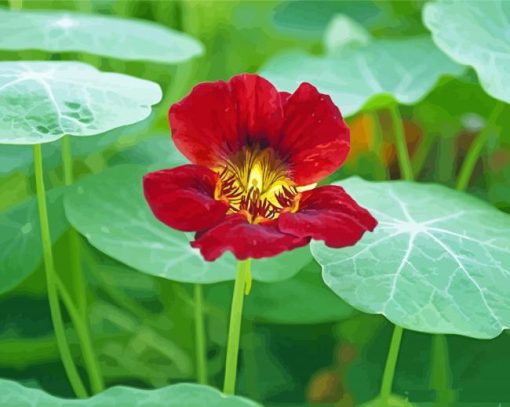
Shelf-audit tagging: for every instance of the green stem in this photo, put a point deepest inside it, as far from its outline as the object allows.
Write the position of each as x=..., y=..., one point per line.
x=234, y=331
x=82, y=330
x=200, y=345
x=74, y=239
x=15, y=4
x=421, y=153
x=391, y=363
x=440, y=373
x=49, y=265
x=446, y=159
x=476, y=148
x=79, y=286
x=404, y=162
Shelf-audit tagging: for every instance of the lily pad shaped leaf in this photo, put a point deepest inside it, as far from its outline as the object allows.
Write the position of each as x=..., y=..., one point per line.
x=177, y=395
x=110, y=211
x=402, y=70
x=20, y=234
x=475, y=33
x=43, y=101
x=438, y=262
x=107, y=36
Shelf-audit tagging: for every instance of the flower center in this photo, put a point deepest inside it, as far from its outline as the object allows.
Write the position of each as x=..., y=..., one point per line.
x=255, y=182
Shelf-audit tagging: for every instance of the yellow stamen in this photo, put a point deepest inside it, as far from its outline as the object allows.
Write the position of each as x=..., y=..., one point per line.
x=256, y=184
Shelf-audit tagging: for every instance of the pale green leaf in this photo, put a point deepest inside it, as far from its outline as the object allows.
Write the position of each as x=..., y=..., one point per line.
x=122, y=38
x=110, y=211
x=43, y=101
x=177, y=395
x=438, y=262
x=475, y=33
x=381, y=72
x=20, y=238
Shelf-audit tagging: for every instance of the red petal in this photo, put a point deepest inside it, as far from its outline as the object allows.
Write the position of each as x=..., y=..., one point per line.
x=328, y=213
x=284, y=96
x=183, y=197
x=204, y=123
x=315, y=137
x=245, y=240
x=259, y=107
x=219, y=118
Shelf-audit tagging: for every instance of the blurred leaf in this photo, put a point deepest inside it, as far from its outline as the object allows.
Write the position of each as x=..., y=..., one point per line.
x=342, y=31
x=156, y=150
x=110, y=211
x=302, y=299
x=108, y=36
x=438, y=261
x=20, y=238
x=475, y=33
x=310, y=18
x=372, y=76
x=43, y=101
x=178, y=395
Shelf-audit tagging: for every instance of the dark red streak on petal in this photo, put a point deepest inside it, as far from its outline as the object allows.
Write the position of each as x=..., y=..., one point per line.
x=328, y=213
x=183, y=197
x=315, y=139
x=245, y=240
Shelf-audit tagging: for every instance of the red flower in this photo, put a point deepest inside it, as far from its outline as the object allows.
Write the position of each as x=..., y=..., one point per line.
x=255, y=151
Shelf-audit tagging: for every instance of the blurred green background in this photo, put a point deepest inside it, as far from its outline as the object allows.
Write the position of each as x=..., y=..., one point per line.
x=143, y=325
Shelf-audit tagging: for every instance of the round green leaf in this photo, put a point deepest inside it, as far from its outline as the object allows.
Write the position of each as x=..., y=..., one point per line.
x=43, y=101
x=110, y=211
x=438, y=262
x=475, y=33
x=95, y=34
x=404, y=69
x=302, y=299
x=20, y=238
x=177, y=395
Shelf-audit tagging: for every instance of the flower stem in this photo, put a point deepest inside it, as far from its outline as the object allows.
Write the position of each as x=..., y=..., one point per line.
x=404, y=162
x=49, y=265
x=234, y=332
x=74, y=239
x=440, y=379
x=421, y=153
x=476, y=148
x=83, y=333
x=391, y=363
x=200, y=345
x=79, y=287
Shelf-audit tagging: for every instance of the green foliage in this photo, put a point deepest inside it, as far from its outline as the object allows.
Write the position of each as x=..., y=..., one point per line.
x=302, y=299
x=436, y=262
x=179, y=395
x=375, y=75
x=127, y=39
x=47, y=100
x=20, y=235
x=476, y=34
x=301, y=343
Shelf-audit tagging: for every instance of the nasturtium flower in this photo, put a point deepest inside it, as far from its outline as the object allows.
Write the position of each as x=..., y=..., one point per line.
x=256, y=157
